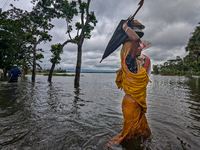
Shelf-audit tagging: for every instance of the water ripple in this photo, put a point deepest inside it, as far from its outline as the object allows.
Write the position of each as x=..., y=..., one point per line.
x=55, y=115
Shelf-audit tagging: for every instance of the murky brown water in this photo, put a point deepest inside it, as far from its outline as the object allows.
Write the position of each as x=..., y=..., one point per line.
x=57, y=116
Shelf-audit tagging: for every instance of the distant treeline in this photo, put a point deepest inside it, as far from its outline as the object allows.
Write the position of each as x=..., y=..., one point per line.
x=189, y=65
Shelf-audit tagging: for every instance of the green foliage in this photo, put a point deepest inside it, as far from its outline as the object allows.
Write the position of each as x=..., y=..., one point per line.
x=56, y=50
x=171, y=67
x=155, y=69
x=87, y=30
x=189, y=65
x=13, y=37
x=197, y=73
x=193, y=45
x=87, y=24
x=189, y=61
x=78, y=26
x=69, y=29
x=39, y=56
x=20, y=33
x=83, y=6
x=93, y=18
x=197, y=66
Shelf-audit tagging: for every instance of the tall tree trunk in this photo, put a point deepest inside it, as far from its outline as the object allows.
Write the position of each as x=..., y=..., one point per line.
x=34, y=65
x=80, y=42
x=78, y=66
x=51, y=72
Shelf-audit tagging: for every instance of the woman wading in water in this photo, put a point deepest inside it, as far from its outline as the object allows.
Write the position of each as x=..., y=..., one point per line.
x=133, y=79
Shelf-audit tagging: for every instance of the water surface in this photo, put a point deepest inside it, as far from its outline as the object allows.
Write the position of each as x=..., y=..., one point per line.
x=55, y=115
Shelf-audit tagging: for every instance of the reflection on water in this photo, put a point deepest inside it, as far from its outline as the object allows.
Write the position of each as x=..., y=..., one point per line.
x=55, y=115
x=194, y=101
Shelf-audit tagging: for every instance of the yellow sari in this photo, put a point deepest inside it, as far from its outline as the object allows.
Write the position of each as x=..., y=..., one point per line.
x=134, y=102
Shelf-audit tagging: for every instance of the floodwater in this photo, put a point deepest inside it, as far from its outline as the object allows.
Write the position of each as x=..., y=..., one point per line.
x=56, y=116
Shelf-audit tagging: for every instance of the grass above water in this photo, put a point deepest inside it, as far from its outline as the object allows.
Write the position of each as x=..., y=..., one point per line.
x=63, y=74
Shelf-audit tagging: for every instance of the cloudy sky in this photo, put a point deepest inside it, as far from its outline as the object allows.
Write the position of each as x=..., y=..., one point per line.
x=168, y=25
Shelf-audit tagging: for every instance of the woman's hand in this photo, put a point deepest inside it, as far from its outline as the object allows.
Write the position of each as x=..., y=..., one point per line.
x=124, y=26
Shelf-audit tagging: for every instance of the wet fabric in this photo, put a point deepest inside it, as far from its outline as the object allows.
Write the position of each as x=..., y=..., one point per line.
x=131, y=63
x=14, y=74
x=13, y=79
x=132, y=84
x=134, y=105
x=146, y=63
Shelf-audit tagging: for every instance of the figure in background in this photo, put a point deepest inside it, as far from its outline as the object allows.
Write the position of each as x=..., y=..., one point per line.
x=133, y=79
x=14, y=74
x=1, y=73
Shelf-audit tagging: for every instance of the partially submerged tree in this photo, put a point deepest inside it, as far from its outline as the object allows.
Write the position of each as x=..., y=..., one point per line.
x=13, y=45
x=22, y=33
x=62, y=9
x=66, y=10
x=38, y=28
x=84, y=28
x=56, y=50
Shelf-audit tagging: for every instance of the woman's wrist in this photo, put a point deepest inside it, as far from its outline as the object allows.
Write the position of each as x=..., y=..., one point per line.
x=126, y=29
